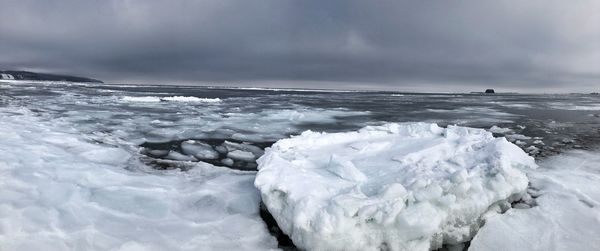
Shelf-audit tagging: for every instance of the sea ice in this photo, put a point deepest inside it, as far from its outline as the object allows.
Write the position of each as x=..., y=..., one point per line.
x=501, y=130
x=227, y=162
x=148, y=99
x=241, y=155
x=191, y=99
x=173, y=155
x=231, y=146
x=199, y=150
x=567, y=215
x=516, y=136
x=411, y=186
x=141, y=99
x=61, y=191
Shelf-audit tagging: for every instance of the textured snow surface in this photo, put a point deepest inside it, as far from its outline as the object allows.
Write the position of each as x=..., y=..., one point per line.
x=410, y=186
x=60, y=191
x=567, y=215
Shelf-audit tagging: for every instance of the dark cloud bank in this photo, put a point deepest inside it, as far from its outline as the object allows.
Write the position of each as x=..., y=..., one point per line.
x=399, y=45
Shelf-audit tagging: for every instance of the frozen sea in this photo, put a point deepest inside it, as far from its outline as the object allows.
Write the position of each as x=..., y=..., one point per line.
x=125, y=167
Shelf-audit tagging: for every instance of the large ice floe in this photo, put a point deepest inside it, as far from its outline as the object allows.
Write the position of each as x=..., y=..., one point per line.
x=567, y=214
x=409, y=186
x=61, y=191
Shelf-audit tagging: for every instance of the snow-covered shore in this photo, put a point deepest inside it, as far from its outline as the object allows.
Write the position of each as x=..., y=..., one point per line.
x=62, y=191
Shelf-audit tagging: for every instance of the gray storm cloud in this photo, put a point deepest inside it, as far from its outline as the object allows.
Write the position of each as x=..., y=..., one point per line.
x=412, y=45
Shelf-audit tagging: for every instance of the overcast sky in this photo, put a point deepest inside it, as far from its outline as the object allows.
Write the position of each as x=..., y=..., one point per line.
x=532, y=45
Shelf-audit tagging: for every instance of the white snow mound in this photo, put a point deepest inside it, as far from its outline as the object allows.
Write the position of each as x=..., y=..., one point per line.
x=409, y=186
x=567, y=214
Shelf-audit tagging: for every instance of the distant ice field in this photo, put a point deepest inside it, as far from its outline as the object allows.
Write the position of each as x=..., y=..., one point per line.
x=80, y=160
x=165, y=113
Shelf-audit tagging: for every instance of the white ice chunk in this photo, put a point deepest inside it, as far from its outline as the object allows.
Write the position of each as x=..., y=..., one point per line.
x=199, y=150
x=145, y=99
x=221, y=149
x=227, y=162
x=516, y=136
x=148, y=99
x=158, y=153
x=411, y=186
x=532, y=149
x=191, y=99
x=520, y=143
x=241, y=155
x=244, y=147
x=538, y=142
x=497, y=129
x=173, y=155
x=567, y=215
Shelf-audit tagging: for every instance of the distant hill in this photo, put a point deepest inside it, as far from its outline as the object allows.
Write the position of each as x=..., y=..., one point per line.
x=26, y=75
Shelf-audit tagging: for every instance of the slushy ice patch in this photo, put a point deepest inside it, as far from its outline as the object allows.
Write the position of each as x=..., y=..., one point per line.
x=229, y=153
x=411, y=186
